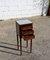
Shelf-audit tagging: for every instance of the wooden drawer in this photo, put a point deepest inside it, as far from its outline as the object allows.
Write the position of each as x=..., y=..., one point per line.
x=27, y=32
x=26, y=27
x=27, y=37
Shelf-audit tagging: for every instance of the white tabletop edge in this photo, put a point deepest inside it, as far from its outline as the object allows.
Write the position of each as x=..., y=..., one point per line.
x=22, y=22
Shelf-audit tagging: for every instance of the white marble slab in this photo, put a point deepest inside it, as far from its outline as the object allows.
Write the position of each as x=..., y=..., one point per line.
x=23, y=22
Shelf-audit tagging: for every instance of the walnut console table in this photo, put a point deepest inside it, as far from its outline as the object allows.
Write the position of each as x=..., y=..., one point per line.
x=24, y=29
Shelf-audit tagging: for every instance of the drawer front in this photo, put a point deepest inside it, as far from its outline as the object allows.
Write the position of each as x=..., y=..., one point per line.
x=26, y=27
x=27, y=32
x=28, y=37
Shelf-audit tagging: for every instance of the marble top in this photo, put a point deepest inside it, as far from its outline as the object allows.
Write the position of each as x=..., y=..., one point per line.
x=23, y=22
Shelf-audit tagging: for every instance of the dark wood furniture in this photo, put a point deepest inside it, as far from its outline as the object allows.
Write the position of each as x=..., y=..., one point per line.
x=49, y=11
x=24, y=29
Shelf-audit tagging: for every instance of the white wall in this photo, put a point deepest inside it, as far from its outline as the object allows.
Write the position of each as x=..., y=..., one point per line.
x=20, y=8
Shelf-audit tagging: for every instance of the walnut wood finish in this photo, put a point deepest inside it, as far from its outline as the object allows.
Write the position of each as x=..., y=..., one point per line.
x=26, y=32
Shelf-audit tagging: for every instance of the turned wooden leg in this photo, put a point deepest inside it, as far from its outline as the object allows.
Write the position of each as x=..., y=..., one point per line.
x=20, y=46
x=30, y=46
x=17, y=42
x=26, y=43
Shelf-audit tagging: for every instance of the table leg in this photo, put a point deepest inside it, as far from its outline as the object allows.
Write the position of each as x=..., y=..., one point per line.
x=26, y=43
x=17, y=42
x=20, y=46
x=30, y=46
